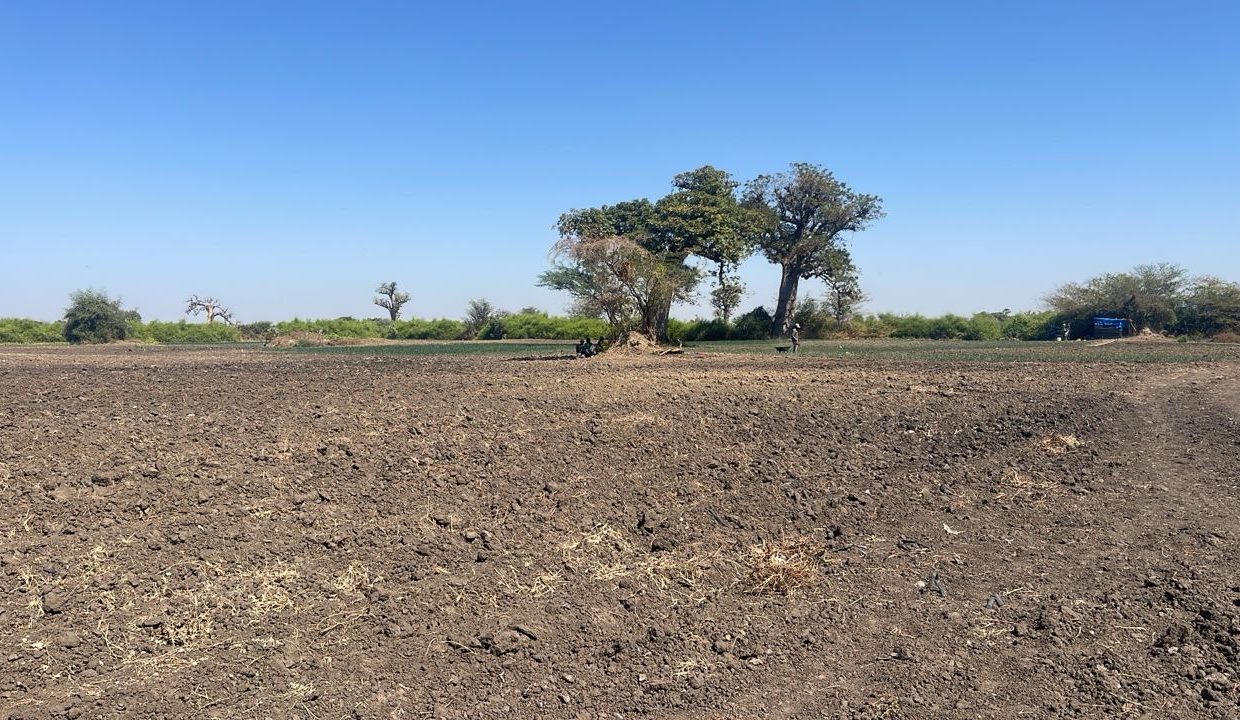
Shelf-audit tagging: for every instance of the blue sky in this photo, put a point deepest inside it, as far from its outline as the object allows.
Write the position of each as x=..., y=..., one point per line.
x=289, y=156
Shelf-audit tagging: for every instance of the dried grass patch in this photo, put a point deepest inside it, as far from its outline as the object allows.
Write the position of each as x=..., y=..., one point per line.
x=606, y=554
x=355, y=577
x=1059, y=444
x=784, y=567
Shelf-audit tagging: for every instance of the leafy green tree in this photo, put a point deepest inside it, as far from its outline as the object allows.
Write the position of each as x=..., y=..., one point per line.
x=984, y=326
x=753, y=325
x=1211, y=306
x=814, y=318
x=703, y=217
x=844, y=293
x=1029, y=325
x=727, y=296
x=391, y=299
x=478, y=313
x=1147, y=297
x=93, y=317
x=805, y=213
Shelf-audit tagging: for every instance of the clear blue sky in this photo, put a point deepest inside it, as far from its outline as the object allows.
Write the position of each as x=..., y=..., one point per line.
x=289, y=156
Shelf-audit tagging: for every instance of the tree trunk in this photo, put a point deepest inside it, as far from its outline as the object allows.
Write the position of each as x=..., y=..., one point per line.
x=659, y=330
x=789, y=278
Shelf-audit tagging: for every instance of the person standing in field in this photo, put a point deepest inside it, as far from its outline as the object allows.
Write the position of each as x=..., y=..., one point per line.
x=796, y=336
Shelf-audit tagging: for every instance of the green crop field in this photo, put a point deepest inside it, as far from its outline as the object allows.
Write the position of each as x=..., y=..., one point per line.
x=502, y=348
x=988, y=351
x=884, y=349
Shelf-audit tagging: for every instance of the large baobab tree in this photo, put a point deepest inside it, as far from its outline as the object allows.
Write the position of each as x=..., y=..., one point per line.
x=806, y=212
x=209, y=305
x=391, y=299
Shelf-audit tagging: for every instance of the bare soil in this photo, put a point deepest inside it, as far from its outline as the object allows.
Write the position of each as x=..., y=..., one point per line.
x=211, y=533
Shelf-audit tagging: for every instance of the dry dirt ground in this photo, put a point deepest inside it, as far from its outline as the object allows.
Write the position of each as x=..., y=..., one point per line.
x=249, y=534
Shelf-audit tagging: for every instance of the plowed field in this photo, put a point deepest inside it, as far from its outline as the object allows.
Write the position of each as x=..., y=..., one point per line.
x=248, y=534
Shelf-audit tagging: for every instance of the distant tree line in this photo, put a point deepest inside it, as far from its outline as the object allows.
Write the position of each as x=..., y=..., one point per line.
x=1160, y=298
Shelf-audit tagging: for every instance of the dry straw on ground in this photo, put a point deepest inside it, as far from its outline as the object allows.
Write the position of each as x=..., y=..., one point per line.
x=786, y=566
x=1059, y=444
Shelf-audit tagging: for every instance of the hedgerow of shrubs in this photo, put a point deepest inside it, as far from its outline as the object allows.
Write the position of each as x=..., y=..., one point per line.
x=181, y=332
x=529, y=324
x=523, y=325
x=21, y=330
x=1211, y=315
x=817, y=323
x=540, y=325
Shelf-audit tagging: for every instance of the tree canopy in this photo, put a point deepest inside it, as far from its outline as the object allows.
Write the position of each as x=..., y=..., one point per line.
x=621, y=280
x=654, y=242
x=805, y=213
x=704, y=217
x=1147, y=297
x=1159, y=297
x=93, y=317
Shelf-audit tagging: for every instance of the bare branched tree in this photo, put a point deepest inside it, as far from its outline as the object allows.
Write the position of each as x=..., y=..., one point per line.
x=209, y=305
x=391, y=300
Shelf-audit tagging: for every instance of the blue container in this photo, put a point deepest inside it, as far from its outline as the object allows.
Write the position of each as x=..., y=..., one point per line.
x=1109, y=327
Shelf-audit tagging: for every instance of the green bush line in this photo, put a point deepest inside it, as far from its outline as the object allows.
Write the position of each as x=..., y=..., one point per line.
x=20, y=330
x=815, y=324
x=524, y=325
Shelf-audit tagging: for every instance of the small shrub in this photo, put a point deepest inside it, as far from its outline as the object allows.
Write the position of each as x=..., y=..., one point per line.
x=341, y=327
x=493, y=329
x=707, y=330
x=815, y=320
x=260, y=330
x=415, y=329
x=753, y=325
x=908, y=326
x=983, y=326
